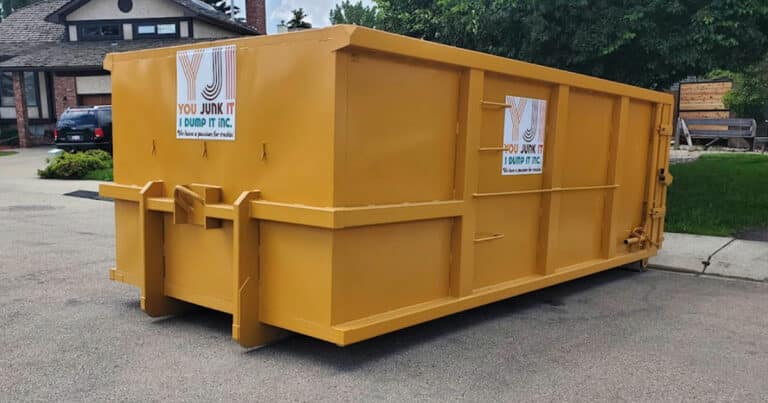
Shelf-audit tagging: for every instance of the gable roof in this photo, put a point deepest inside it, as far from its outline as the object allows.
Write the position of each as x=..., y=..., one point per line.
x=193, y=8
x=28, y=24
x=33, y=38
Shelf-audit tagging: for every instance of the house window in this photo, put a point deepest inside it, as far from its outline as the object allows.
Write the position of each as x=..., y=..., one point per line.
x=30, y=89
x=100, y=31
x=156, y=30
x=166, y=29
x=6, y=90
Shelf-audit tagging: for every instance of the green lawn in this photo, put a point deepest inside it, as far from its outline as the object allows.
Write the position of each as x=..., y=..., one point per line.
x=6, y=153
x=719, y=194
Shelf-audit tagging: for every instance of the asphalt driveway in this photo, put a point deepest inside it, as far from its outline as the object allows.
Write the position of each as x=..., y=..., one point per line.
x=69, y=334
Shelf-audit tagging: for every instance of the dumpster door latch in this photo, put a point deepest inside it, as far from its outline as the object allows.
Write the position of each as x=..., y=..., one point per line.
x=665, y=177
x=664, y=130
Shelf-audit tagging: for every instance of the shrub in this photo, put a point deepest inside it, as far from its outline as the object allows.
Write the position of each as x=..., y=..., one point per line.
x=102, y=156
x=76, y=165
x=749, y=96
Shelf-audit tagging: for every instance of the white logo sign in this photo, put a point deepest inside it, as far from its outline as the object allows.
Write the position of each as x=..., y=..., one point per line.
x=206, y=85
x=524, y=123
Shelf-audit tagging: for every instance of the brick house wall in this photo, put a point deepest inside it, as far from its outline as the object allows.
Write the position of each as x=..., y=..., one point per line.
x=256, y=15
x=64, y=94
x=22, y=117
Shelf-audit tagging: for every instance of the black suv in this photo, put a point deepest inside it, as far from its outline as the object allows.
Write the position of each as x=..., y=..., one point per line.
x=85, y=128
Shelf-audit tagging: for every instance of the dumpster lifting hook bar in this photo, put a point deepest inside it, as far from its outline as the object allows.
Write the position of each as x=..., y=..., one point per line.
x=183, y=203
x=498, y=104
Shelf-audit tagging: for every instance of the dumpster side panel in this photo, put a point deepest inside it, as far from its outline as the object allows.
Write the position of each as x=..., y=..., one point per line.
x=397, y=132
x=584, y=164
x=387, y=267
x=507, y=224
x=590, y=120
x=202, y=275
x=295, y=278
x=528, y=230
x=283, y=140
x=497, y=87
x=507, y=231
x=284, y=124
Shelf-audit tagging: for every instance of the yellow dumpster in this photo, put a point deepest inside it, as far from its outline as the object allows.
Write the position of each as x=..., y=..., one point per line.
x=344, y=182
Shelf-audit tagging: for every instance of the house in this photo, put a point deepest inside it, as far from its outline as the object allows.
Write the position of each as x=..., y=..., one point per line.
x=51, y=52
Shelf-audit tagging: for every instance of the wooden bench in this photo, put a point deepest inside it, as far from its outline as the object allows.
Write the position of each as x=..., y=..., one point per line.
x=716, y=129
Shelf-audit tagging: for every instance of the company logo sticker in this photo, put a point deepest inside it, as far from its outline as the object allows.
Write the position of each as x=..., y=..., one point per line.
x=206, y=85
x=524, y=124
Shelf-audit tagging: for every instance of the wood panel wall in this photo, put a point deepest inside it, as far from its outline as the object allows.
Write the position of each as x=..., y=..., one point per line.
x=704, y=96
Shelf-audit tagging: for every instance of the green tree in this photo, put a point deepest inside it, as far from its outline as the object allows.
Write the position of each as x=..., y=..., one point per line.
x=9, y=6
x=225, y=6
x=354, y=13
x=297, y=21
x=651, y=43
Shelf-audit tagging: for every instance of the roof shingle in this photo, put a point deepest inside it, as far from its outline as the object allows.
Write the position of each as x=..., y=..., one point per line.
x=79, y=55
x=28, y=24
x=209, y=13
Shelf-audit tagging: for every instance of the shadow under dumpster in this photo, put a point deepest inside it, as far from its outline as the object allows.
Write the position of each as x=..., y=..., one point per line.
x=453, y=329
x=547, y=307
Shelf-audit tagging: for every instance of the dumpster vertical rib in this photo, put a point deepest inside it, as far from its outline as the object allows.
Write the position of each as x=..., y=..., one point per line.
x=466, y=180
x=552, y=178
x=661, y=188
x=246, y=327
x=650, y=188
x=653, y=177
x=153, y=299
x=620, y=123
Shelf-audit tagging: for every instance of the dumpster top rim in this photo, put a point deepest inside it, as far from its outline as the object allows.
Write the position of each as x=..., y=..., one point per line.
x=343, y=36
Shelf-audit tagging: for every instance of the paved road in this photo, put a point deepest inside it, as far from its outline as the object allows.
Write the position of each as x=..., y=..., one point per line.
x=69, y=334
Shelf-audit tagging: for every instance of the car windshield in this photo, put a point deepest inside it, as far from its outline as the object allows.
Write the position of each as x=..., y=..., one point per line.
x=73, y=118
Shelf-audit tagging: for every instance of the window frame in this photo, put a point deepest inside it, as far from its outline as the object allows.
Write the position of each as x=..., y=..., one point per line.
x=81, y=27
x=35, y=88
x=13, y=97
x=155, y=23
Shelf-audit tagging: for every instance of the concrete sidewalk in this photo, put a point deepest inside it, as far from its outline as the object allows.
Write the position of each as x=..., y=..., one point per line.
x=718, y=256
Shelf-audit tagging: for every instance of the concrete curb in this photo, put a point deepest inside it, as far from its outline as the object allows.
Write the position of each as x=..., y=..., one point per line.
x=716, y=256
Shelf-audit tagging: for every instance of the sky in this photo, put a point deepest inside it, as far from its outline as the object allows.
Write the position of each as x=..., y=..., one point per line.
x=278, y=10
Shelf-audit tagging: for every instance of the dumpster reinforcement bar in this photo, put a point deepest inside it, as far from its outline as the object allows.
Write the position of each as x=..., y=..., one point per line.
x=247, y=328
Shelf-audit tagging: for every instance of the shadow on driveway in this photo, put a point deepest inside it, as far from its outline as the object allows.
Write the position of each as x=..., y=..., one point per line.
x=355, y=356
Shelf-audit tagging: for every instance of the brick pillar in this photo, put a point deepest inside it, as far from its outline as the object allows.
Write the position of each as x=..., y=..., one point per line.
x=256, y=15
x=22, y=117
x=64, y=94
